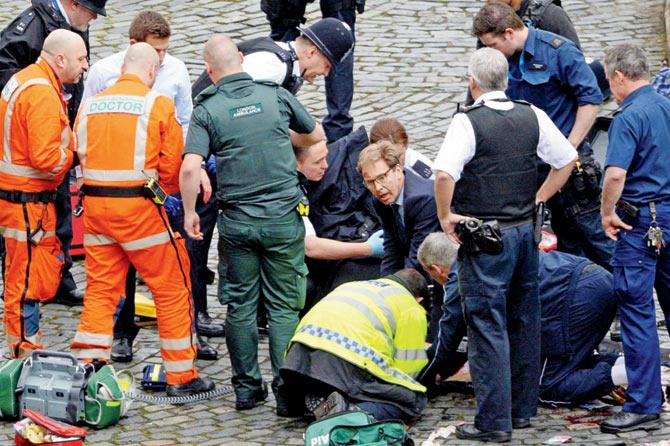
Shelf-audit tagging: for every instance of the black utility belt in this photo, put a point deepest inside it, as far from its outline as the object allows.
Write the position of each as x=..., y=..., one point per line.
x=17, y=196
x=115, y=191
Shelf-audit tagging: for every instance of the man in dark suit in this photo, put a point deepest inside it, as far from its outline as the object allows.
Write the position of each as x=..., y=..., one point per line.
x=405, y=203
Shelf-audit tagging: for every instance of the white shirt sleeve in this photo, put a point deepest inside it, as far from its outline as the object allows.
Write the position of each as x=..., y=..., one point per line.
x=309, y=227
x=183, y=101
x=264, y=66
x=92, y=84
x=553, y=148
x=458, y=147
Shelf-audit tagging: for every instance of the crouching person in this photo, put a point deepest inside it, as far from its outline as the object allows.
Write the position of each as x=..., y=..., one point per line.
x=367, y=357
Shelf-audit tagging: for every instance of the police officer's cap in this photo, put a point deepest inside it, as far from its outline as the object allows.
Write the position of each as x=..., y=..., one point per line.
x=97, y=6
x=332, y=37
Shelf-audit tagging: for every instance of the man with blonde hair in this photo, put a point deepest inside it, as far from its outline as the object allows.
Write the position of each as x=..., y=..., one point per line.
x=404, y=202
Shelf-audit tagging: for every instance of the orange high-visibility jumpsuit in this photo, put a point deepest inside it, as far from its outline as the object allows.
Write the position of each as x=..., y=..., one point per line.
x=37, y=152
x=124, y=134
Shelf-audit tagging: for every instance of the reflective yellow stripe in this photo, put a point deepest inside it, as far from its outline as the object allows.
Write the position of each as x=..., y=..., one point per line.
x=367, y=312
x=98, y=239
x=93, y=338
x=11, y=93
x=141, y=130
x=118, y=175
x=24, y=171
x=115, y=104
x=378, y=296
x=147, y=242
x=176, y=344
x=21, y=235
x=410, y=355
x=178, y=366
x=91, y=353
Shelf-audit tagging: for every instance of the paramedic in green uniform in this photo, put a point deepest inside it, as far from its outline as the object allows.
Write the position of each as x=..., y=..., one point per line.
x=246, y=124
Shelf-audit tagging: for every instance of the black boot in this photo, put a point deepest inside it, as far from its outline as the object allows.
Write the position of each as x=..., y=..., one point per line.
x=122, y=350
x=206, y=326
x=470, y=432
x=205, y=351
x=630, y=421
x=198, y=385
x=70, y=298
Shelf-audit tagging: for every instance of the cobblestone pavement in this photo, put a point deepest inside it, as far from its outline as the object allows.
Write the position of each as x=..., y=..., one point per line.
x=411, y=59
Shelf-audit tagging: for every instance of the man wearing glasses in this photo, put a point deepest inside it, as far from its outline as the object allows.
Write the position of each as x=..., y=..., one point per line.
x=405, y=204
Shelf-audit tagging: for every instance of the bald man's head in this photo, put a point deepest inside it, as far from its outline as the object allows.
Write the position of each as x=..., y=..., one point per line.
x=222, y=57
x=66, y=54
x=143, y=61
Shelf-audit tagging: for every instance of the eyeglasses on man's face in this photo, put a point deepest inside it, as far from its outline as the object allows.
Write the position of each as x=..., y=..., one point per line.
x=380, y=180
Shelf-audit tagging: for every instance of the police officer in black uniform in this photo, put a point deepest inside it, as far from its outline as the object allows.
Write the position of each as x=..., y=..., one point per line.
x=489, y=176
x=285, y=17
x=20, y=45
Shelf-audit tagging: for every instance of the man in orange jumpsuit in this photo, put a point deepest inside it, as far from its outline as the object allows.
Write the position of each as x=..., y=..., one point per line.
x=37, y=153
x=126, y=134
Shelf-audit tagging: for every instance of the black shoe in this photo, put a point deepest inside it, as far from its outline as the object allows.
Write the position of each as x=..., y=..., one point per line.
x=470, y=432
x=209, y=276
x=206, y=326
x=630, y=421
x=335, y=403
x=198, y=385
x=205, y=351
x=122, y=350
x=249, y=403
x=286, y=410
x=70, y=298
x=520, y=423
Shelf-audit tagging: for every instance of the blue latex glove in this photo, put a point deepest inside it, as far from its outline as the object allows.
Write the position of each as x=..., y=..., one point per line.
x=377, y=242
x=173, y=206
x=211, y=166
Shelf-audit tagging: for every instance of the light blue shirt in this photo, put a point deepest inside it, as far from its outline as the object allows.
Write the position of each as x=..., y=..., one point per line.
x=172, y=80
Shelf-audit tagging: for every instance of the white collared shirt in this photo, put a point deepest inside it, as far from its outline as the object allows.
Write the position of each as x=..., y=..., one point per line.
x=266, y=66
x=458, y=147
x=62, y=10
x=172, y=80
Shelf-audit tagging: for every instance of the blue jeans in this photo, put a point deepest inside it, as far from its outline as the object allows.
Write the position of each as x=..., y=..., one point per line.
x=340, y=88
x=580, y=376
x=502, y=311
x=637, y=270
x=583, y=236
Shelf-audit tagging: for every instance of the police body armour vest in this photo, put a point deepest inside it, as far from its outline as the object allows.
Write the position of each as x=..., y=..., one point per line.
x=291, y=82
x=501, y=179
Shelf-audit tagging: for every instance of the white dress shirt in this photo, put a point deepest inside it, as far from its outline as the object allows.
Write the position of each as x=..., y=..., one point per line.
x=459, y=144
x=172, y=80
x=266, y=66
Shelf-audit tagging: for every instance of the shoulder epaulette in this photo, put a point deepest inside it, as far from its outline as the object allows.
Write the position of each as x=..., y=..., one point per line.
x=267, y=83
x=24, y=20
x=204, y=94
x=468, y=108
x=521, y=101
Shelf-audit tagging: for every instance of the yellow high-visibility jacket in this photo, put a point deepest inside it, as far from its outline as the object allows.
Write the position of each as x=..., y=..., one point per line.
x=375, y=324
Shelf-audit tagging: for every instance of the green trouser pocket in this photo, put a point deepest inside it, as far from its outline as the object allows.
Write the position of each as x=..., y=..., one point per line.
x=301, y=286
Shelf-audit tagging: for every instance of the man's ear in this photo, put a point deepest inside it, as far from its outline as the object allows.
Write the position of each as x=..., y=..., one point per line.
x=241, y=57
x=509, y=33
x=60, y=60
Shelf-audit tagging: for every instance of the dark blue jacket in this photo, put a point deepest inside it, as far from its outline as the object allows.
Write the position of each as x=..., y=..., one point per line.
x=340, y=206
x=420, y=219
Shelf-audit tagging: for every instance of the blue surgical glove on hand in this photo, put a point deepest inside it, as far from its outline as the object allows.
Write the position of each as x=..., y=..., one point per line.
x=211, y=166
x=173, y=206
x=376, y=240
